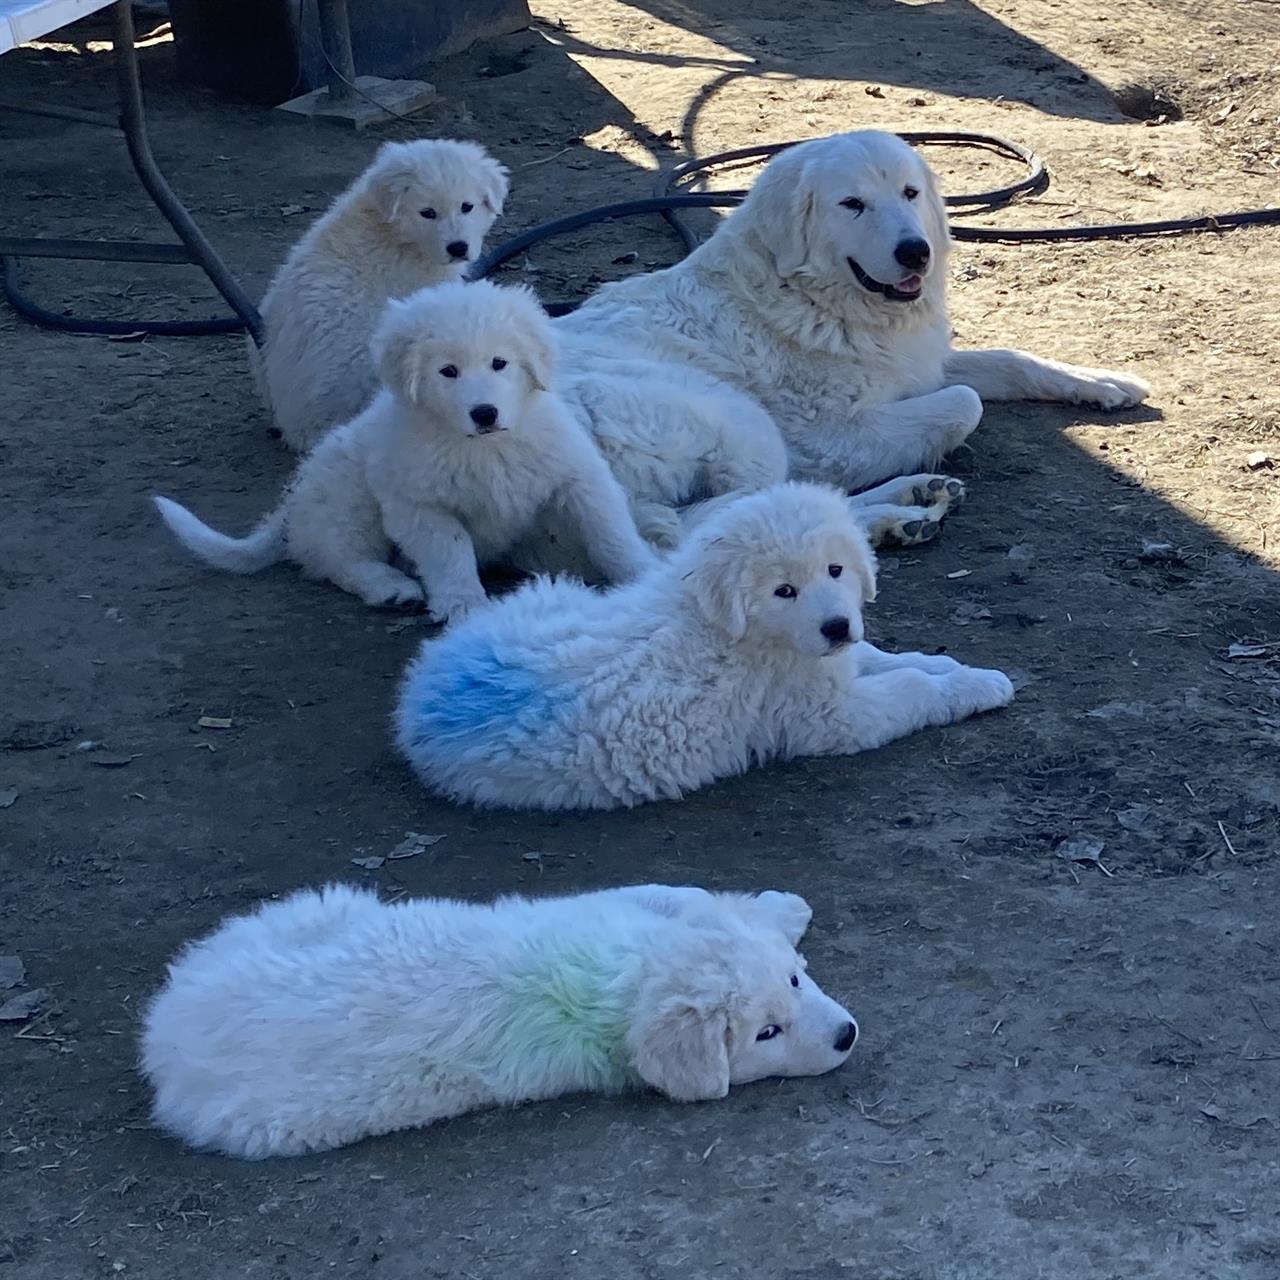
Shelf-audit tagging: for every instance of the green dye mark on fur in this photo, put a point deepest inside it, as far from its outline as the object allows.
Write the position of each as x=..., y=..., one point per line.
x=571, y=1008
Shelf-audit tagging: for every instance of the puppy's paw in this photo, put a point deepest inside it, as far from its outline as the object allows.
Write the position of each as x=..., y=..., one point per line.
x=938, y=493
x=903, y=527
x=446, y=613
x=406, y=595
x=1105, y=388
x=961, y=411
x=658, y=524
x=788, y=912
x=972, y=690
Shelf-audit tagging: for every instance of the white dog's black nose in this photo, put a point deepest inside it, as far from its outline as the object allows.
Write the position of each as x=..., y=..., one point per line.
x=836, y=630
x=847, y=1038
x=484, y=415
x=913, y=254
x=460, y=249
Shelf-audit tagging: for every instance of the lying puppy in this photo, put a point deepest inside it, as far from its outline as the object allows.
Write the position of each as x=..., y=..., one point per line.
x=458, y=456
x=332, y=1016
x=415, y=217
x=746, y=647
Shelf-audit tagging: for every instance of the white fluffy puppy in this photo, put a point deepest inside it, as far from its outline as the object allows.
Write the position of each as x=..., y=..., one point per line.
x=457, y=457
x=415, y=217
x=746, y=647
x=822, y=302
x=332, y=1016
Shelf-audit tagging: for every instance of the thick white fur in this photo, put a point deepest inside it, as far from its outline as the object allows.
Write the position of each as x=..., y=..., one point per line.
x=416, y=469
x=557, y=697
x=372, y=244
x=770, y=312
x=332, y=1016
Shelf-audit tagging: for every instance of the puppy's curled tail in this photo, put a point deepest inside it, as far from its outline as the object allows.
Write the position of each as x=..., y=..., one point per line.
x=263, y=547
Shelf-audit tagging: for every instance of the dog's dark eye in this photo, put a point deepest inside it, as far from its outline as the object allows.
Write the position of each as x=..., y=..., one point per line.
x=449, y=371
x=795, y=979
x=853, y=204
x=466, y=208
x=499, y=364
x=769, y=1032
x=786, y=591
x=428, y=213
x=835, y=570
x=911, y=192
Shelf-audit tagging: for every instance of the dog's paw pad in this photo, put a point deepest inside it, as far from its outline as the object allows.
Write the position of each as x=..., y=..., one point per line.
x=910, y=529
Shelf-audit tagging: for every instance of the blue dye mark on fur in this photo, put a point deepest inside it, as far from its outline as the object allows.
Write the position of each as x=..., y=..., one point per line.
x=465, y=692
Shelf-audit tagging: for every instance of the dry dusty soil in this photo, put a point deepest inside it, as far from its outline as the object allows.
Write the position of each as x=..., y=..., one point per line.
x=1069, y=1069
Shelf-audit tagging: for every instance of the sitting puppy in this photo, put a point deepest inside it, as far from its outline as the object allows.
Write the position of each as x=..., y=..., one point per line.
x=417, y=216
x=332, y=1016
x=746, y=647
x=455, y=460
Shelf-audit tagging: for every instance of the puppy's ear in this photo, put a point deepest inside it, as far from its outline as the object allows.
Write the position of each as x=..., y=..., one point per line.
x=864, y=565
x=718, y=581
x=496, y=186
x=390, y=181
x=537, y=351
x=679, y=1044
x=391, y=349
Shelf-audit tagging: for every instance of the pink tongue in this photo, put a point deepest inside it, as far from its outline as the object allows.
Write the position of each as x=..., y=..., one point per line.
x=909, y=285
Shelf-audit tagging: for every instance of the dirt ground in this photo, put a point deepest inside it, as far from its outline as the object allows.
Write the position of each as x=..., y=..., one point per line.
x=1068, y=1068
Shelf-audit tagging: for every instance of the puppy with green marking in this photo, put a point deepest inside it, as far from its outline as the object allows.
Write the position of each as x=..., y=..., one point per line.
x=332, y=1016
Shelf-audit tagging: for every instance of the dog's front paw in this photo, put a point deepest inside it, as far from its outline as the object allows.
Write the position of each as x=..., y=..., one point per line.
x=788, y=912
x=971, y=690
x=444, y=612
x=1105, y=388
x=407, y=596
x=962, y=411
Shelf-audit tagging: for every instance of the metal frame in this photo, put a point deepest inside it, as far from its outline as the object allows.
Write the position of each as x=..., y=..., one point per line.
x=194, y=249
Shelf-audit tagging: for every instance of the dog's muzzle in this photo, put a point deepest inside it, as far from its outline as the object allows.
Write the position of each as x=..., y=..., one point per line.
x=907, y=289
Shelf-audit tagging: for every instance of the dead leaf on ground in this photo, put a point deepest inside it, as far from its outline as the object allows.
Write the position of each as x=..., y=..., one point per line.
x=1259, y=460
x=369, y=864
x=414, y=843
x=1082, y=849
x=1237, y=651
x=24, y=1005
x=214, y=722
x=8, y=797
x=12, y=972
x=113, y=762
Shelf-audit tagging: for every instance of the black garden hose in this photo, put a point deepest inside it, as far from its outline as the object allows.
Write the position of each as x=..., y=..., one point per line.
x=668, y=199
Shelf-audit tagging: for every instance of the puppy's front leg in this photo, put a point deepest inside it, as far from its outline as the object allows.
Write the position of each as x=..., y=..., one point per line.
x=444, y=555
x=893, y=439
x=893, y=702
x=594, y=500
x=1018, y=375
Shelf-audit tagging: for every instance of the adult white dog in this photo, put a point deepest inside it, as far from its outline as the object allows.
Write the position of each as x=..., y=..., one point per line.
x=822, y=299
x=458, y=457
x=746, y=647
x=417, y=216
x=332, y=1016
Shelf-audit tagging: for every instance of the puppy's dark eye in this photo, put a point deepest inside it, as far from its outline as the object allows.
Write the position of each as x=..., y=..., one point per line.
x=466, y=208
x=911, y=192
x=853, y=204
x=499, y=364
x=786, y=591
x=429, y=214
x=769, y=1032
x=835, y=570
x=795, y=979
x=449, y=371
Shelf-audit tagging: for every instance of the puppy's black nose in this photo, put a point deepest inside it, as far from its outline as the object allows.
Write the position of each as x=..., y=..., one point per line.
x=484, y=415
x=913, y=254
x=847, y=1038
x=460, y=249
x=836, y=630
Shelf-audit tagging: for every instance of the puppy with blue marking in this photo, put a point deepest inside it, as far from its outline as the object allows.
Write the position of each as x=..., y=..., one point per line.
x=462, y=453
x=745, y=647
x=332, y=1016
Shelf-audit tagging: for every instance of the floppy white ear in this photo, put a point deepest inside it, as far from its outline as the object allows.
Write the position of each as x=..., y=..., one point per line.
x=719, y=587
x=679, y=1045
x=783, y=214
x=391, y=348
x=865, y=567
x=496, y=186
x=538, y=353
